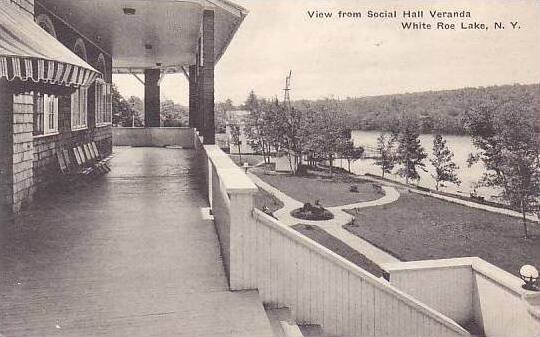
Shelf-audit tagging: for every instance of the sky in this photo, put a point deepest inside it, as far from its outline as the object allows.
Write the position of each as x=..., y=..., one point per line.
x=353, y=57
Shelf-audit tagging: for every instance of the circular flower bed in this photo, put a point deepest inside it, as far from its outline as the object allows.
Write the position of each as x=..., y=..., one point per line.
x=314, y=213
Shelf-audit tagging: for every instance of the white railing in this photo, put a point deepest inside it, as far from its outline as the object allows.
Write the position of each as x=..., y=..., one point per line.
x=230, y=193
x=290, y=270
x=470, y=290
x=321, y=287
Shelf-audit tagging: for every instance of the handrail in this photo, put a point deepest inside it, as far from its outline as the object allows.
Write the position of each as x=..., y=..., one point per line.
x=230, y=175
x=500, y=276
x=381, y=284
x=478, y=265
x=241, y=228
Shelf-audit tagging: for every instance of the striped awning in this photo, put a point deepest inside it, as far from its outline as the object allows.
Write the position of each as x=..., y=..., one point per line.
x=29, y=53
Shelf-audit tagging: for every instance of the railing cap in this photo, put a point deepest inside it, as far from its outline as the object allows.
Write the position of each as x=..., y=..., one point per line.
x=232, y=177
x=478, y=265
x=428, y=264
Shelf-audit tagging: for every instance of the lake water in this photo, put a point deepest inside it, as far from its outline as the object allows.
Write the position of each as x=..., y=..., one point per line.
x=461, y=146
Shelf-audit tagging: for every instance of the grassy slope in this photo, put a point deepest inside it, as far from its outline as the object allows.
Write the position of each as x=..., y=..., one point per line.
x=263, y=198
x=418, y=227
x=337, y=246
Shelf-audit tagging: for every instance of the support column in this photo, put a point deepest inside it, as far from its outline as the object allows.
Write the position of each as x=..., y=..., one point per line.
x=193, y=92
x=207, y=86
x=6, y=152
x=152, y=104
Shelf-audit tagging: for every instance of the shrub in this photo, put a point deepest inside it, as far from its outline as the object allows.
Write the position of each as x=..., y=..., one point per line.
x=310, y=212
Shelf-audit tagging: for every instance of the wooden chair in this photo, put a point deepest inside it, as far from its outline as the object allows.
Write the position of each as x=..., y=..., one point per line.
x=68, y=170
x=62, y=163
x=83, y=164
x=105, y=160
x=93, y=160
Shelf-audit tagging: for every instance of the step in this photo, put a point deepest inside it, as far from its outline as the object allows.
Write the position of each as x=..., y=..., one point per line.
x=282, y=322
x=311, y=330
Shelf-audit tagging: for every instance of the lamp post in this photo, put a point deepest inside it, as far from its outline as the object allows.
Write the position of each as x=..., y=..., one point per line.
x=529, y=274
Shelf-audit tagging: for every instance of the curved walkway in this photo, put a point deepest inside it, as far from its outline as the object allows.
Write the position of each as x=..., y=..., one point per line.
x=335, y=225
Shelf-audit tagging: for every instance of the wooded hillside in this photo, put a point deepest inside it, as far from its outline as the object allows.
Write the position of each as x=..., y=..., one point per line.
x=438, y=110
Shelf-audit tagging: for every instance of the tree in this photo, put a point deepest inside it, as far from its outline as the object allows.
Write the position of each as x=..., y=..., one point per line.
x=173, y=114
x=445, y=168
x=326, y=131
x=350, y=152
x=410, y=154
x=220, y=114
x=257, y=126
x=503, y=131
x=235, y=138
x=273, y=121
x=385, y=149
x=297, y=133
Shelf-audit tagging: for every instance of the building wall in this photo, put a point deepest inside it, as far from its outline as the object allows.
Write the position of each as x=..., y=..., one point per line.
x=23, y=151
x=68, y=37
x=32, y=164
x=6, y=149
x=45, y=163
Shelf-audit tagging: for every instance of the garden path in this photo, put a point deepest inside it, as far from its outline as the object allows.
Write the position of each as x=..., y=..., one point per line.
x=334, y=226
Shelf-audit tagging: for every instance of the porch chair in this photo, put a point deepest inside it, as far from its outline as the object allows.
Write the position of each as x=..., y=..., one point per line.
x=96, y=151
x=92, y=160
x=83, y=166
x=68, y=170
x=93, y=150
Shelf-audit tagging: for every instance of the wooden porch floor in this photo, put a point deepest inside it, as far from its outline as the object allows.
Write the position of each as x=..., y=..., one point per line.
x=127, y=254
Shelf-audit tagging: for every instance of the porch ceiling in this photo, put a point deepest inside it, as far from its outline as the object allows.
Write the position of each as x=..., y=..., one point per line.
x=162, y=32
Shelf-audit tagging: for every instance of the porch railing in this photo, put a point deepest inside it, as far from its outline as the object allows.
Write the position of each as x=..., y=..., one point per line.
x=290, y=270
x=471, y=290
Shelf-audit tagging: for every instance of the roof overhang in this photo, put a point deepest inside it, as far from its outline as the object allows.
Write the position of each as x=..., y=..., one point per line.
x=159, y=34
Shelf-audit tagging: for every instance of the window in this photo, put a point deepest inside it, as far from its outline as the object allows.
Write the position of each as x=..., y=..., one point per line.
x=45, y=22
x=103, y=103
x=79, y=112
x=45, y=114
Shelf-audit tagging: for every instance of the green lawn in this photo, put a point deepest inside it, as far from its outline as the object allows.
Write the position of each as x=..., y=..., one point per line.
x=418, y=227
x=263, y=198
x=337, y=246
x=329, y=191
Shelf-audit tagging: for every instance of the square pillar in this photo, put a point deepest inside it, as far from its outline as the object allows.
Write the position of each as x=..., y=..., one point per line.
x=152, y=104
x=207, y=78
x=193, y=97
